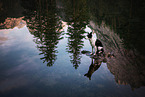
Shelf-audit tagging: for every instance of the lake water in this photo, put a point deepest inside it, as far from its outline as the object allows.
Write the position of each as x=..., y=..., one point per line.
x=41, y=56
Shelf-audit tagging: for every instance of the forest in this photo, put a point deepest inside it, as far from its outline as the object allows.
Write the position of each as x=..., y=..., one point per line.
x=125, y=17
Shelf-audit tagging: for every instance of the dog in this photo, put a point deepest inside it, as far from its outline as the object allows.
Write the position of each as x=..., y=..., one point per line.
x=96, y=63
x=95, y=43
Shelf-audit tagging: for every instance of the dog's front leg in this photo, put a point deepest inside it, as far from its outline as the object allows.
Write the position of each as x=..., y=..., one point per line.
x=95, y=50
x=92, y=51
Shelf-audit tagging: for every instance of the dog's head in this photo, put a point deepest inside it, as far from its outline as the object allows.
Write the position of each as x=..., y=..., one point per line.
x=89, y=35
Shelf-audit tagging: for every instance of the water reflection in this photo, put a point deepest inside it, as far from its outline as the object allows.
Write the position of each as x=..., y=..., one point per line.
x=125, y=18
x=118, y=24
x=11, y=23
x=46, y=26
x=95, y=64
x=121, y=29
x=77, y=22
x=96, y=61
x=75, y=42
x=127, y=66
x=11, y=9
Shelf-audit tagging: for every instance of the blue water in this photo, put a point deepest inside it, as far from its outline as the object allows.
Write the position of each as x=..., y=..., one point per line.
x=23, y=73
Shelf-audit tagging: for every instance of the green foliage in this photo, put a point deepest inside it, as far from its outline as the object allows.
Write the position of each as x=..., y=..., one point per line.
x=125, y=17
x=45, y=25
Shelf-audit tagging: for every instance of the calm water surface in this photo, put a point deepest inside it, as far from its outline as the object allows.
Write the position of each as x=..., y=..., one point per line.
x=24, y=74
x=41, y=54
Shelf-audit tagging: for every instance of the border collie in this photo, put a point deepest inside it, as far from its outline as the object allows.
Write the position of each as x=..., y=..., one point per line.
x=95, y=43
x=96, y=63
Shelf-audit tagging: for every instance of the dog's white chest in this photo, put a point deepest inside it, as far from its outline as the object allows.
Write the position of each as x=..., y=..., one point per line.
x=99, y=47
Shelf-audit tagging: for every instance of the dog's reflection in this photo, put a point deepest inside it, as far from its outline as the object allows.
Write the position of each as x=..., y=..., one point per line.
x=96, y=63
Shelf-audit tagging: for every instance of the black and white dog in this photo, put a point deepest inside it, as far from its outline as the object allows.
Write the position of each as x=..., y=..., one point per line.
x=95, y=43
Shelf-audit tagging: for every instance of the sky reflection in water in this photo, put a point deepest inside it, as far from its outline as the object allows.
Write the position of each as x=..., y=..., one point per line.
x=23, y=74
x=38, y=58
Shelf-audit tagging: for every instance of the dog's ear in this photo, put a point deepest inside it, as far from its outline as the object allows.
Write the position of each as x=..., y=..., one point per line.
x=89, y=35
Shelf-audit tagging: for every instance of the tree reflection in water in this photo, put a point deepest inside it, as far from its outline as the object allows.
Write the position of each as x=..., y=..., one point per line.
x=46, y=26
x=75, y=43
x=76, y=25
x=120, y=27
